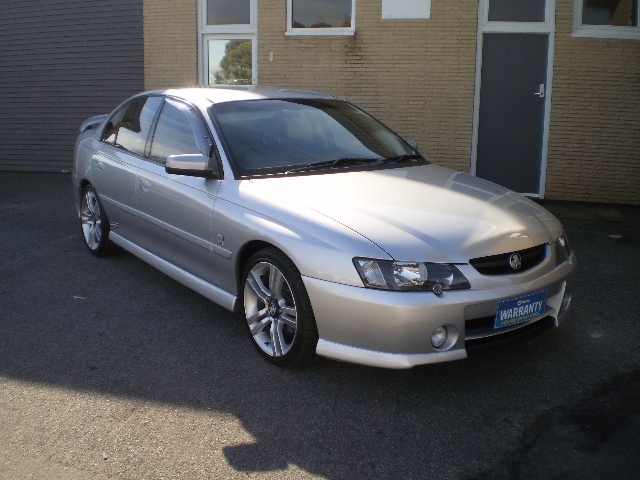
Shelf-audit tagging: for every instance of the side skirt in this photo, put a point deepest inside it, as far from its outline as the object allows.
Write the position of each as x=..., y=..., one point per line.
x=213, y=293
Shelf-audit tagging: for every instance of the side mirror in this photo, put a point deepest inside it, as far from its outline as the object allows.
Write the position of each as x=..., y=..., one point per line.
x=413, y=144
x=191, y=165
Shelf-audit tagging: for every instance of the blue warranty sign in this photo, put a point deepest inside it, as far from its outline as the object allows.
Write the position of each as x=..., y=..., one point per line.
x=521, y=309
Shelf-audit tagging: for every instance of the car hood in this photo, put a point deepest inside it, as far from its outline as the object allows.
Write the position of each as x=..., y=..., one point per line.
x=426, y=213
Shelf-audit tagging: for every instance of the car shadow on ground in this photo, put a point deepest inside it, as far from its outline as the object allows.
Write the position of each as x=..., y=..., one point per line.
x=117, y=326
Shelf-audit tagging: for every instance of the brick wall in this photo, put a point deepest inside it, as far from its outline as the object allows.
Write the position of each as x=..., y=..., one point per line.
x=170, y=43
x=416, y=76
x=594, y=142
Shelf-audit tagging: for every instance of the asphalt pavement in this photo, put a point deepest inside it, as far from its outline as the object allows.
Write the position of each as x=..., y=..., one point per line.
x=110, y=369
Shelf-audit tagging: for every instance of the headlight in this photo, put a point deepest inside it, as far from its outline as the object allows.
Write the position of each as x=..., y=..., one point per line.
x=563, y=250
x=395, y=275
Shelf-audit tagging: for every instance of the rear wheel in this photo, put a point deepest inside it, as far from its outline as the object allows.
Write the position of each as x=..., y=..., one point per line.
x=277, y=310
x=95, y=225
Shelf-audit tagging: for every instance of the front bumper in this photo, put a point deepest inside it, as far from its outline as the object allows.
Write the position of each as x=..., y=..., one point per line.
x=394, y=329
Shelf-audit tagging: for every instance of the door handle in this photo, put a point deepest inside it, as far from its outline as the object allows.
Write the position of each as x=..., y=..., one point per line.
x=540, y=92
x=144, y=186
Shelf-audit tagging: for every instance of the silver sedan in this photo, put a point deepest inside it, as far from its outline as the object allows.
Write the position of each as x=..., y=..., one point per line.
x=325, y=230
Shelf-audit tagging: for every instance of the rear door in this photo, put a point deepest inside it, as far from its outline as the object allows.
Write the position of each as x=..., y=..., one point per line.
x=118, y=155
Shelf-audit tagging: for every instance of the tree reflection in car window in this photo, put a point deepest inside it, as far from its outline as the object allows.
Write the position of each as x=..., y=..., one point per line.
x=173, y=135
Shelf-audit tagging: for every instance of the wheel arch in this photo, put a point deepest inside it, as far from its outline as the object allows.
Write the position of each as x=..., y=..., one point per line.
x=78, y=190
x=82, y=185
x=246, y=252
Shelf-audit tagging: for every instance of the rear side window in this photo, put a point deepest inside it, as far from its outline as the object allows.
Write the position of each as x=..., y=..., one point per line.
x=129, y=128
x=173, y=135
x=109, y=132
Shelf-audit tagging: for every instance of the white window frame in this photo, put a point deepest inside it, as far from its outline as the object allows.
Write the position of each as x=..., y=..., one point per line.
x=601, y=31
x=225, y=32
x=546, y=26
x=340, y=31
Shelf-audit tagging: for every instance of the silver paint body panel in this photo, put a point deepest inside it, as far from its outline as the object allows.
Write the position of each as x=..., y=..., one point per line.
x=195, y=229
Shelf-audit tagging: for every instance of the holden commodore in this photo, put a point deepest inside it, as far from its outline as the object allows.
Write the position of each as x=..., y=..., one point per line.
x=327, y=232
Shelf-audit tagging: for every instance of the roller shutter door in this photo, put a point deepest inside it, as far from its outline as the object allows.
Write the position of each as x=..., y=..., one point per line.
x=62, y=61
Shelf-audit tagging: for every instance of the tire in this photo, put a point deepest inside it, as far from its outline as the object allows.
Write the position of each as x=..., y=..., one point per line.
x=95, y=224
x=277, y=310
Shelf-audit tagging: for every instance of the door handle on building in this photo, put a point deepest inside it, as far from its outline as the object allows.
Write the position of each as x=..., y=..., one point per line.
x=540, y=93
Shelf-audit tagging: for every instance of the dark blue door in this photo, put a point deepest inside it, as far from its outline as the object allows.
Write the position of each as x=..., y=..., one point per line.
x=512, y=107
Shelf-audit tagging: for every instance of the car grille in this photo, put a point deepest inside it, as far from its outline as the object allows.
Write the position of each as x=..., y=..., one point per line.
x=499, y=264
x=479, y=332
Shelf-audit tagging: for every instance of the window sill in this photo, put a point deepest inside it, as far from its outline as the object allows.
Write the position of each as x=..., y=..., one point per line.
x=607, y=31
x=320, y=32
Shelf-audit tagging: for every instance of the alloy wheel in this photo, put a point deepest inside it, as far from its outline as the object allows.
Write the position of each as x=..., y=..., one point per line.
x=270, y=309
x=91, y=218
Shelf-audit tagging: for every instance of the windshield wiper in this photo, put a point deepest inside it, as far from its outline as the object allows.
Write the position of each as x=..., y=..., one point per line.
x=408, y=157
x=340, y=162
x=347, y=161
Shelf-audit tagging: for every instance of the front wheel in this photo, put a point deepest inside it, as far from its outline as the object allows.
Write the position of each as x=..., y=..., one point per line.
x=277, y=310
x=95, y=225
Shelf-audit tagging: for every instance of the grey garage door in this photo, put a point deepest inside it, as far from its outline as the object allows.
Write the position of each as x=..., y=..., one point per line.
x=60, y=62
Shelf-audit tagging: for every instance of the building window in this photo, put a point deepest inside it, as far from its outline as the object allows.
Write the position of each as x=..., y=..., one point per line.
x=321, y=17
x=228, y=12
x=230, y=61
x=607, y=19
x=227, y=30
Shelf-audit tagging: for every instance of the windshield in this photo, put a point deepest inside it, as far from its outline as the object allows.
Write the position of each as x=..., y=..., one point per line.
x=266, y=137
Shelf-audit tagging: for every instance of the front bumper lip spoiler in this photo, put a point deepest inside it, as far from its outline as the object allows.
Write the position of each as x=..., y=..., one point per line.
x=372, y=358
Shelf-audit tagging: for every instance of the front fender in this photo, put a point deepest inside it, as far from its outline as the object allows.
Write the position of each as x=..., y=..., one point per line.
x=318, y=246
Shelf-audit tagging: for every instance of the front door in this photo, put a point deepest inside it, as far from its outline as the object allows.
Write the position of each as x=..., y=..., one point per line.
x=513, y=88
x=178, y=209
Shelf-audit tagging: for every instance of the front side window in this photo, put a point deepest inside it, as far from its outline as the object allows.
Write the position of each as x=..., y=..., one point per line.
x=266, y=137
x=173, y=135
x=129, y=127
x=228, y=39
x=320, y=17
x=607, y=18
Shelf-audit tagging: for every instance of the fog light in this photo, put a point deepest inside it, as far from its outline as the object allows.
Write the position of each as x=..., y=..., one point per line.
x=439, y=337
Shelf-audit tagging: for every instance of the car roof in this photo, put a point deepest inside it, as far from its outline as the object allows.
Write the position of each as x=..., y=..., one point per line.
x=203, y=96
